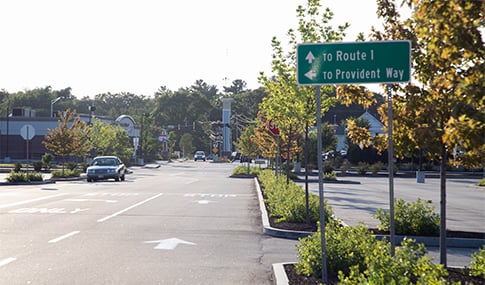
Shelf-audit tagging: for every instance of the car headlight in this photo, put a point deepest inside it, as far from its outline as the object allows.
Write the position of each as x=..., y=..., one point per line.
x=111, y=170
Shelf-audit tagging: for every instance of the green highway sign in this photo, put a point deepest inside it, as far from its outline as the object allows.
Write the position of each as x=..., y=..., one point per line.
x=354, y=63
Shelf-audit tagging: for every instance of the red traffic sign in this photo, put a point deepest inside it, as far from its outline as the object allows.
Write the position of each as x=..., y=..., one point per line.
x=273, y=128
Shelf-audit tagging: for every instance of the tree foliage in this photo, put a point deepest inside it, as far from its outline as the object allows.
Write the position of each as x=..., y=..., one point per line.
x=109, y=139
x=443, y=111
x=67, y=139
x=288, y=105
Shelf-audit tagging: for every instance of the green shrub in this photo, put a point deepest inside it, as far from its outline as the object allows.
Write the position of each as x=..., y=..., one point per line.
x=83, y=166
x=17, y=176
x=35, y=176
x=243, y=170
x=481, y=182
x=286, y=202
x=328, y=167
x=477, y=266
x=24, y=177
x=330, y=176
x=46, y=161
x=416, y=218
x=362, y=168
x=67, y=173
x=409, y=266
x=71, y=165
x=17, y=167
x=376, y=167
x=356, y=257
x=345, y=166
x=37, y=165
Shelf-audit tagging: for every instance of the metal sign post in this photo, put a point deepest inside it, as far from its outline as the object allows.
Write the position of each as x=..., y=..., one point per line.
x=354, y=63
x=320, y=184
x=390, y=163
x=27, y=132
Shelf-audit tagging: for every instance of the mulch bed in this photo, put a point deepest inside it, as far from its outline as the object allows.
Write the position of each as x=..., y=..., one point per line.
x=454, y=275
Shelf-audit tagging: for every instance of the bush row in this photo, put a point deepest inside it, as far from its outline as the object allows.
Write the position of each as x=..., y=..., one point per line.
x=286, y=202
x=357, y=257
x=24, y=177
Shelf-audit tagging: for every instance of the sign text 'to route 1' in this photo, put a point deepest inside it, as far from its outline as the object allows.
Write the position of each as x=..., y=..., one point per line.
x=354, y=62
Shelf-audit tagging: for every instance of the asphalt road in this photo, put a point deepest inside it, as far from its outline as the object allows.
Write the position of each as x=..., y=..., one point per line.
x=182, y=223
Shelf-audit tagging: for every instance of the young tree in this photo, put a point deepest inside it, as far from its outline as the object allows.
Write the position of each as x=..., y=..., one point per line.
x=67, y=139
x=247, y=144
x=444, y=109
x=288, y=105
x=186, y=145
x=109, y=139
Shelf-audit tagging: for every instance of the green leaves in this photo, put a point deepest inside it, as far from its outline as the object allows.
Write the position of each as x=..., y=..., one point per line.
x=417, y=218
x=286, y=202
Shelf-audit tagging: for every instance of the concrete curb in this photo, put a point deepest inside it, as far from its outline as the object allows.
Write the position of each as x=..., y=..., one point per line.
x=279, y=274
x=267, y=229
x=47, y=181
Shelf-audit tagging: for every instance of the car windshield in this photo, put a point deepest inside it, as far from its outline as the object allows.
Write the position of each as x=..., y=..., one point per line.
x=104, y=161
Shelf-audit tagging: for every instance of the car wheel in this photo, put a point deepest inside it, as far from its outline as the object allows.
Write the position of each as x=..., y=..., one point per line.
x=89, y=180
x=117, y=179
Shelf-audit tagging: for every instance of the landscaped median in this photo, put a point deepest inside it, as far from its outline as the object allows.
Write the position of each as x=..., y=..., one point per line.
x=354, y=254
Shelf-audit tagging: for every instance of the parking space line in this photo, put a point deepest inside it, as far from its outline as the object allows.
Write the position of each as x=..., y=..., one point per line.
x=30, y=201
x=129, y=208
x=7, y=261
x=64, y=237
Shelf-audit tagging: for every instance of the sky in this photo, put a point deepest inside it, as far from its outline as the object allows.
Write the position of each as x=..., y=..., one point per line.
x=100, y=46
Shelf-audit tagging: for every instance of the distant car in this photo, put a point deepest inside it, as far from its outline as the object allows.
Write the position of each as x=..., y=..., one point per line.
x=106, y=167
x=199, y=155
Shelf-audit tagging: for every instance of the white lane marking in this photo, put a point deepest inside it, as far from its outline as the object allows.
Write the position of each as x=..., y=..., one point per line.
x=29, y=201
x=191, y=180
x=129, y=208
x=7, y=261
x=90, y=200
x=64, y=236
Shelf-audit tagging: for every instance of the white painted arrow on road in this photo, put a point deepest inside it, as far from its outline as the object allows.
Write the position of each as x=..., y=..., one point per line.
x=169, y=244
x=310, y=57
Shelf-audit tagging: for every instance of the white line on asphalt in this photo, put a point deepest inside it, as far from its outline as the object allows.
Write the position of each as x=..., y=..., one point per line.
x=29, y=201
x=129, y=208
x=64, y=236
x=7, y=261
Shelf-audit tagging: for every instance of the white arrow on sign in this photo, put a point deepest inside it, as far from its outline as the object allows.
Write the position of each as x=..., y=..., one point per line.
x=310, y=57
x=169, y=244
x=310, y=75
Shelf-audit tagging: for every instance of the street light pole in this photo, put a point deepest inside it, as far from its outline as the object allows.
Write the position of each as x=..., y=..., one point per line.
x=52, y=105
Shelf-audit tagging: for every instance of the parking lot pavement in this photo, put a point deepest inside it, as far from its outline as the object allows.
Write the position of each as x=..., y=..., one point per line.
x=358, y=202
